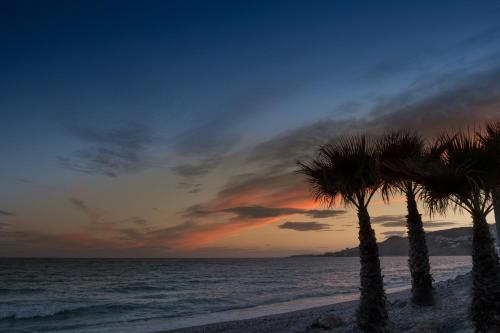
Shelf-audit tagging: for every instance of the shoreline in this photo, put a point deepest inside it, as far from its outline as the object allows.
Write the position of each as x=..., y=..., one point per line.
x=448, y=315
x=270, y=310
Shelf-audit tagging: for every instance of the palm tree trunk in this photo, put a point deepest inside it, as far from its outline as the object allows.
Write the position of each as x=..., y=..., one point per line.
x=486, y=278
x=371, y=314
x=418, y=262
x=496, y=205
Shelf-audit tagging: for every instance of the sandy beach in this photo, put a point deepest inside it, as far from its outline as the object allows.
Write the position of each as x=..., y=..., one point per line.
x=449, y=314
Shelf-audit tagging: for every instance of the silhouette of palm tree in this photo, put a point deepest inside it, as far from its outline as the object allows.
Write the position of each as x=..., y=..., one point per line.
x=458, y=172
x=394, y=151
x=491, y=141
x=347, y=172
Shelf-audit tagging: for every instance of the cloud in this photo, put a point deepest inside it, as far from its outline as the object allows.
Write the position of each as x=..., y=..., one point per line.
x=76, y=244
x=259, y=212
x=110, y=152
x=175, y=231
x=133, y=234
x=211, y=140
x=424, y=60
x=224, y=249
x=271, y=189
x=188, y=235
x=201, y=168
x=218, y=134
x=6, y=213
x=320, y=214
x=254, y=201
x=392, y=224
x=139, y=221
x=256, y=212
x=399, y=233
x=256, y=194
x=82, y=207
x=399, y=219
x=389, y=221
x=29, y=182
x=275, y=191
x=192, y=188
x=437, y=224
x=474, y=99
x=305, y=226
x=450, y=101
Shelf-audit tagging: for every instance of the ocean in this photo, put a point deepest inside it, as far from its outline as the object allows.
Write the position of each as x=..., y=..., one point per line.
x=148, y=295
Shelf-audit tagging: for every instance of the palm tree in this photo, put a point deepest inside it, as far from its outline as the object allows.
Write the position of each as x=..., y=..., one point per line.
x=491, y=141
x=394, y=151
x=459, y=173
x=347, y=172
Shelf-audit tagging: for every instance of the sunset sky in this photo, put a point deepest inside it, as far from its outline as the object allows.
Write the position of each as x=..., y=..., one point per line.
x=172, y=128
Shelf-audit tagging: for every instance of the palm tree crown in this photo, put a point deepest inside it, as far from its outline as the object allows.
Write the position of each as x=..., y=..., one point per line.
x=458, y=172
x=346, y=171
x=394, y=151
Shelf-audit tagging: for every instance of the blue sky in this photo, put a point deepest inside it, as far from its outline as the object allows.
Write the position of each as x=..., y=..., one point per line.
x=184, y=97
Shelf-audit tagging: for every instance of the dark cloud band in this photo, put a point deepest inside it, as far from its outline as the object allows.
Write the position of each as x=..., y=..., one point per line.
x=305, y=226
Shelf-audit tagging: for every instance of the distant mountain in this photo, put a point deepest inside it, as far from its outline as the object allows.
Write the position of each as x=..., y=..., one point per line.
x=449, y=242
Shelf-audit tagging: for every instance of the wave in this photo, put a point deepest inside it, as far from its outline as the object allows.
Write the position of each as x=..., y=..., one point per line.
x=23, y=291
x=125, y=289
x=61, y=311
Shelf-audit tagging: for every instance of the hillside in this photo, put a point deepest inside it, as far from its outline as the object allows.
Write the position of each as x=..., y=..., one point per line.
x=449, y=242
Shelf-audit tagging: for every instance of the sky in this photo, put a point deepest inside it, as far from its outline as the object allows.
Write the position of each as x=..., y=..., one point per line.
x=172, y=128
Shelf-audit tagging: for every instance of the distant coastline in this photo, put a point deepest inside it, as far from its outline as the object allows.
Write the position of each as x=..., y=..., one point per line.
x=448, y=242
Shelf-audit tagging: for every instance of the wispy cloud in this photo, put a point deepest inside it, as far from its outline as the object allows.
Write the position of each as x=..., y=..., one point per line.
x=75, y=244
x=474, y=99
x=391, y=224
x=110, y=151
x=200, y=168
x=192, y=188
x=326, y=213
x=250, y=201
x=390, y=221
x=424, y=60
x=30, y=182
x=390, y=233
x=259, y=212
x=83, y=207
x=275, y=191
x=381, y=219
x=6, y=213
x=450, y=101
x=305, y=226
x=438, y=224
x=210, y=140
x=139, y=221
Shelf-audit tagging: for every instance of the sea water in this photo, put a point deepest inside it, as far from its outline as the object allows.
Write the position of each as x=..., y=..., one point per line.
x=148, y=295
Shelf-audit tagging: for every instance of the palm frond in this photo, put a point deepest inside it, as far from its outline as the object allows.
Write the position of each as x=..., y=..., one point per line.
x=395, y=151
x=345, y=170
x=455, y=169
x=490, y=138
